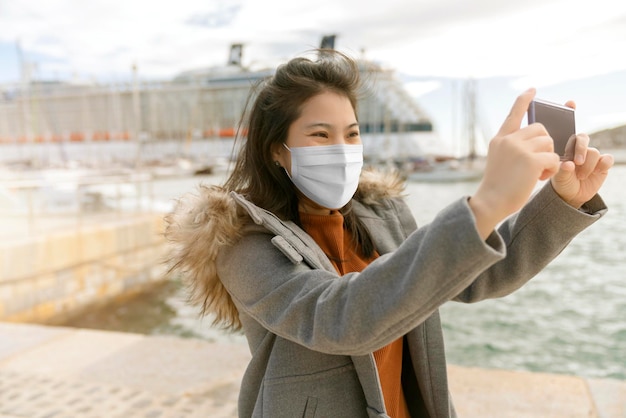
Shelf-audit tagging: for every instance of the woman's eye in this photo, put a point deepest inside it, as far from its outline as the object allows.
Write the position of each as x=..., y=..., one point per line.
x=353, y=136
x=321, y=134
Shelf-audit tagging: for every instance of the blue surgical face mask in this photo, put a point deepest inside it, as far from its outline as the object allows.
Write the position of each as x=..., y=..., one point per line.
x=327, y=174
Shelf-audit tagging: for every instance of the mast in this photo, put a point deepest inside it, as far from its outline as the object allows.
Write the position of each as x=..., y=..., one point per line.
x=24, y=93
x=470, y=108
x=135, y=97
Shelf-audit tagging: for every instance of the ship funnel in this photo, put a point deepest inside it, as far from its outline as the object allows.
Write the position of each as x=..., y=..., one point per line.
x=235, y=54
x=328, y=42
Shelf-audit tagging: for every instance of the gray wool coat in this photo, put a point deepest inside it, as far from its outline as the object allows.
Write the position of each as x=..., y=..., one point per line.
x=312, y=333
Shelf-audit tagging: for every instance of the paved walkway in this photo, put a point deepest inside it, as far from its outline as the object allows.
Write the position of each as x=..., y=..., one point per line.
x=54, y=372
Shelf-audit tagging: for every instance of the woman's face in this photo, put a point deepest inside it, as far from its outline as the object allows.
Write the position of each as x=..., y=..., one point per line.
x=325, y=119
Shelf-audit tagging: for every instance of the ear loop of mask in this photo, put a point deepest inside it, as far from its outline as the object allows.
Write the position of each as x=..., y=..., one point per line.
x=286, y=172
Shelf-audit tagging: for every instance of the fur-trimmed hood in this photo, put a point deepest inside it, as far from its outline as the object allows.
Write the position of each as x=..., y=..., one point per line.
x=211, y=218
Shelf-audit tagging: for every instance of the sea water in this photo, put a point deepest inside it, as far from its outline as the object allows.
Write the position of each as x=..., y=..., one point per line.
x=571, y=318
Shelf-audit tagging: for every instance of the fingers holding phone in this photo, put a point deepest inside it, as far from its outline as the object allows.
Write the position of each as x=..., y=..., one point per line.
x=583, y=169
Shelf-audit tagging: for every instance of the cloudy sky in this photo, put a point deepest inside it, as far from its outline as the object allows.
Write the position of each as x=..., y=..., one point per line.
x=537, y=43
x=552, y=39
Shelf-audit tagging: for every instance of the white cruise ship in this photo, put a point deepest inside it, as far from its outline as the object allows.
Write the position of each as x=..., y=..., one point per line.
x=195, y=116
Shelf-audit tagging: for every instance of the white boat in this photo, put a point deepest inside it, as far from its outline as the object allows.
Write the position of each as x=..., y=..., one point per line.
x=454, y=170
x=469, y=167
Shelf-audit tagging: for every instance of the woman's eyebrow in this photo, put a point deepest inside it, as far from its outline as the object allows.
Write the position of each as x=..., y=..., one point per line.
x=328, y=125
x=319, y=125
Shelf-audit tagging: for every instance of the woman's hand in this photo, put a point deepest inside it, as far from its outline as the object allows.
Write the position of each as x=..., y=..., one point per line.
x=579, y=180
x=516, y=160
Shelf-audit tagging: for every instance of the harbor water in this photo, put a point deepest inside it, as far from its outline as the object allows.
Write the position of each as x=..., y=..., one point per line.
x=570, y=319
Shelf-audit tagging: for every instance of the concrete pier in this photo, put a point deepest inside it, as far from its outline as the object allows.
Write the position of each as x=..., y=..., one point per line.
x=66, y=372
x=60, y=271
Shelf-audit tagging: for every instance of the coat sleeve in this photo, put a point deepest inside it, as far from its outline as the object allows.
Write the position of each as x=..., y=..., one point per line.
x=358, y=313
x=533, y=237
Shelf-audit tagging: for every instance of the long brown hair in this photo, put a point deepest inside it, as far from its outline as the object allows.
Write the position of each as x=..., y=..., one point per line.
x=277, y=104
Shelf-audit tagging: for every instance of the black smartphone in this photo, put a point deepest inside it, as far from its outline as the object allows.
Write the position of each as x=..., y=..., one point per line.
x=560, y=123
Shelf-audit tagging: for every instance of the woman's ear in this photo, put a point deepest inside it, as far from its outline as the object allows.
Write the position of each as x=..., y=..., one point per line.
x=282, y=157
x=278, y=154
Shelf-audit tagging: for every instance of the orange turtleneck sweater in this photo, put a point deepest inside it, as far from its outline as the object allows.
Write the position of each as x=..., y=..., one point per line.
x=329, y=233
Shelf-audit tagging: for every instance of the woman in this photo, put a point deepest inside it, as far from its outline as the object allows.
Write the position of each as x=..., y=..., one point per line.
x=322, y=265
